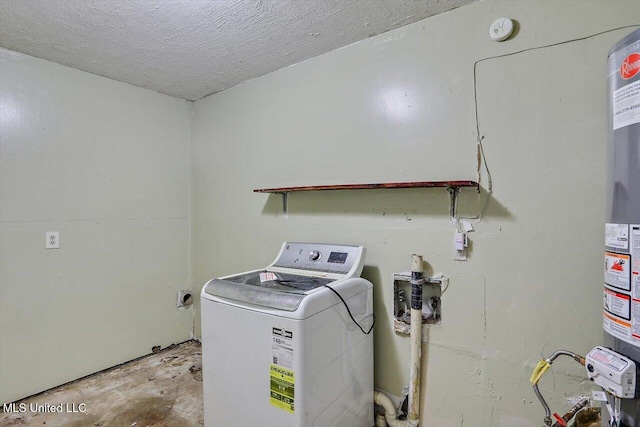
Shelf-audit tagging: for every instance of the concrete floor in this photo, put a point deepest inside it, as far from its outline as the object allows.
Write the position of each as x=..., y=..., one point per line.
x=163, y=389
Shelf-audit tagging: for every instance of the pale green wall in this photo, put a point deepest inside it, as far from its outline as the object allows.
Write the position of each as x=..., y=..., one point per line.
x=107, y=165
x=399, y=107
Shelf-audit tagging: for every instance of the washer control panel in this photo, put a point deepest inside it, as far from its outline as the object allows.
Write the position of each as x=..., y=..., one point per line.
x=320, y=257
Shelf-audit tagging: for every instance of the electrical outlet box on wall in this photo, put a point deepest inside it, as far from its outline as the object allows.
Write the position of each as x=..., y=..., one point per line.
x=431, y=303
x=52, y=240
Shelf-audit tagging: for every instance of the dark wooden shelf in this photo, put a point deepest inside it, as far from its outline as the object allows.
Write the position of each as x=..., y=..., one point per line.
x=422, y=184
x=452, y=187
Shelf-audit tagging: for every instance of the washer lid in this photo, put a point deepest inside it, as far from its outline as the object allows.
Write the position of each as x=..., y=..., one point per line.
x=283, y=292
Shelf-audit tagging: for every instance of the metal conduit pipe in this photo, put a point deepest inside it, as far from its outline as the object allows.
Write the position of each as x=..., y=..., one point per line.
x=572, y=412
x=571, y=354
x=413, y=417
x=547, y=410
x=549, y=361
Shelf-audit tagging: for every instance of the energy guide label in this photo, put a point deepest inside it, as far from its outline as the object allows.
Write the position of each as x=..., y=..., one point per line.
x=281, y=375
x=282, y=388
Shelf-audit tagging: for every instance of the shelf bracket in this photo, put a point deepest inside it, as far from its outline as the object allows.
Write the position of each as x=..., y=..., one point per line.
x=285, y=203
x=453, y=200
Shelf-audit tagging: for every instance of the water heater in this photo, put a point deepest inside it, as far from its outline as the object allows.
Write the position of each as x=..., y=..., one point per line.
x=621, y=296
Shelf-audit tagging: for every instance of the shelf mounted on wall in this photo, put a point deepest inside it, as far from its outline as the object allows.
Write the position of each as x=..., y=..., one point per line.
x=452, y=187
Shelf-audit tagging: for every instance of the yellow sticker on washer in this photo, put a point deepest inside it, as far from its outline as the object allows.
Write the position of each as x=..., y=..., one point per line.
x=282, y=388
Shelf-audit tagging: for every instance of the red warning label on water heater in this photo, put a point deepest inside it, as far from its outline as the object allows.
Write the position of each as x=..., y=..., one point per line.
x=617, y=303
x=621, y=315
x=630, y=66
x=616, y=270
x=635, y=262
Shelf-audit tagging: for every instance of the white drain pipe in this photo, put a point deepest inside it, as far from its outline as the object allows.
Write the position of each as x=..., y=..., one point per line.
x=413, y=417
x=390, y=414
x=417, y=280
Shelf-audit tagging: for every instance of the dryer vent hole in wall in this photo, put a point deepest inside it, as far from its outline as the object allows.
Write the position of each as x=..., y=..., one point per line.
x=185, y=299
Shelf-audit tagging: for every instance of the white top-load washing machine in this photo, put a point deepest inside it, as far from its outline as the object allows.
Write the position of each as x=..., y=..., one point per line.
x=281, y=348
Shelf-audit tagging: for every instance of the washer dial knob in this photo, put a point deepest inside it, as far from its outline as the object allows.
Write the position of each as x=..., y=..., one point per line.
x=314, y=255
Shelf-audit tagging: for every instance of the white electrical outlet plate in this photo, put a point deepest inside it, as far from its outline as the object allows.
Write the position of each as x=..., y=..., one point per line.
x=460, y=255
x=460, y=241
x=52, y=240
x=460, y=244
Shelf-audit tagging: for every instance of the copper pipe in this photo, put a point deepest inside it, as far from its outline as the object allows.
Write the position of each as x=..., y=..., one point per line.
x=572, y=412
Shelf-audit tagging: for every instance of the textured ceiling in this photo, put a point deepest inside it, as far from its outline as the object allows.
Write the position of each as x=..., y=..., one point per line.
x=192, y=48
